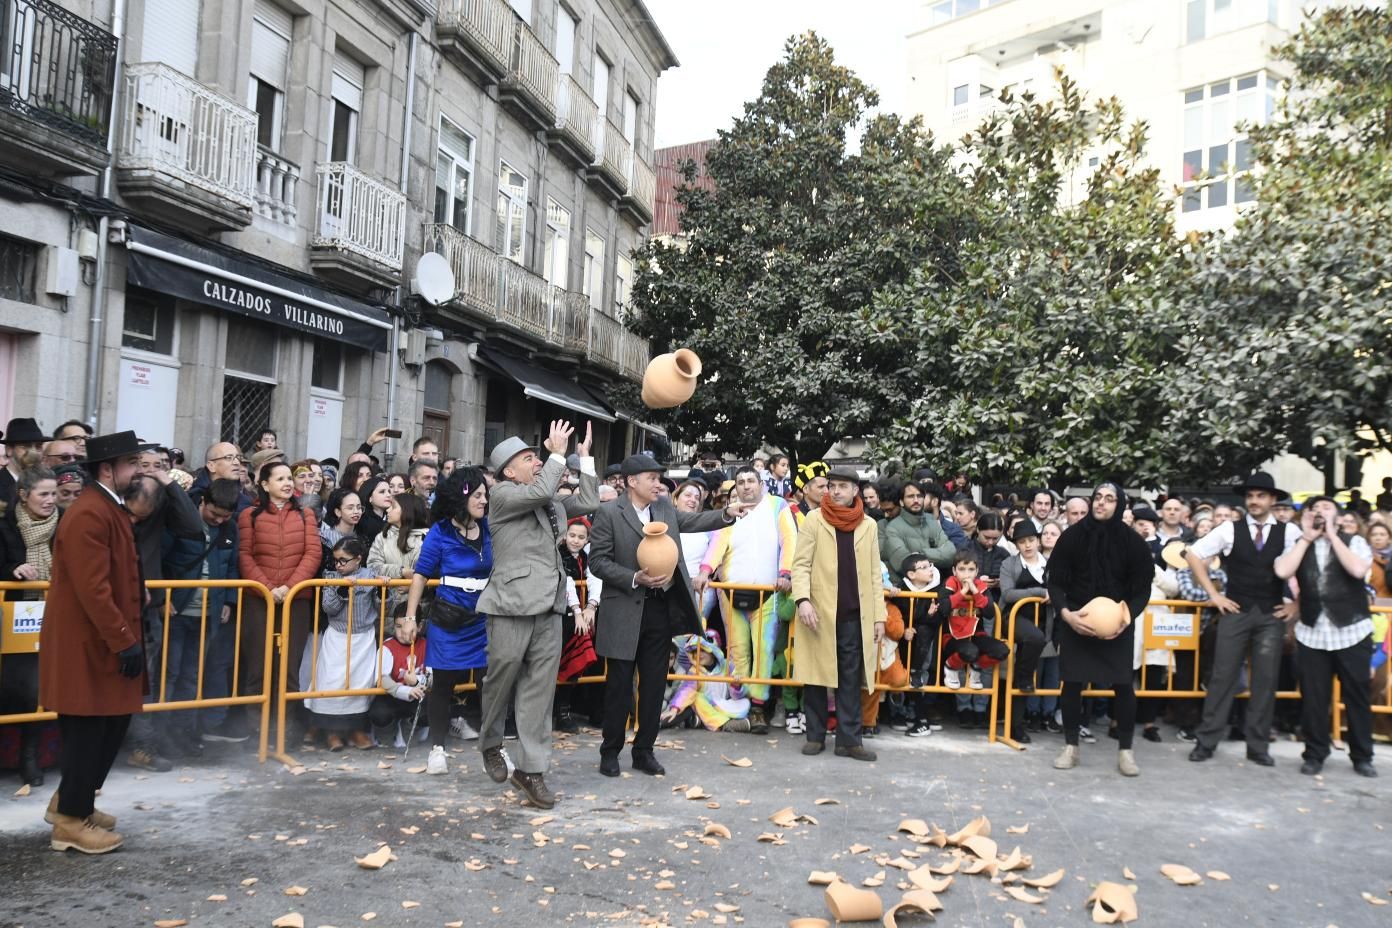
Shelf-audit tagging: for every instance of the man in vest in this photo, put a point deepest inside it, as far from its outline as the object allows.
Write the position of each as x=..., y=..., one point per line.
x=1251, y=617
x=1334, y=635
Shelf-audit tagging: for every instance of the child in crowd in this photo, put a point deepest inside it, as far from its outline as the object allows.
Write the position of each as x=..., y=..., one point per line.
x=720, y=706
x=349, y=640
x=970, y=648
x=890, y=670
x=921, y=576
x=401, y=671
x=577, y=628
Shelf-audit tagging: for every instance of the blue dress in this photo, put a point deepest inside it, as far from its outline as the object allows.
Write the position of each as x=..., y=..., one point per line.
x=445, y=553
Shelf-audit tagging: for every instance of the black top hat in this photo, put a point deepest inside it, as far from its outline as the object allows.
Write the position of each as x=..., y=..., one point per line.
x=23, y=432
x=118, y=445
x=1261, y=480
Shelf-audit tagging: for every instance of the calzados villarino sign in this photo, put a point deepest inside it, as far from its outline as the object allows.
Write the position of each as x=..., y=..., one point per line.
x=190, y=271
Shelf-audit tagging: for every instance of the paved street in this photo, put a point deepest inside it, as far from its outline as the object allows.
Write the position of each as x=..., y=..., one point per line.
x=1300, y=852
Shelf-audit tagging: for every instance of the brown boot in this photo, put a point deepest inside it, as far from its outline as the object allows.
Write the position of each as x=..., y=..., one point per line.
x=534, y=786
x=98, y=817
x=360, y=740
x=78, y=834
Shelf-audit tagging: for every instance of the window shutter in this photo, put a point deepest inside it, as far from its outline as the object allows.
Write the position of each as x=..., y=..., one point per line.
x=271, y=31
x=170, y=34
x=348, y=80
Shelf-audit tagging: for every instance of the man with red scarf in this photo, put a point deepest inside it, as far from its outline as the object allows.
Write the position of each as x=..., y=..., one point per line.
x=841, y=611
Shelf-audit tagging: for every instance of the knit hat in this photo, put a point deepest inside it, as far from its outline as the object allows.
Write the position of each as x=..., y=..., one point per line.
x=806, y=473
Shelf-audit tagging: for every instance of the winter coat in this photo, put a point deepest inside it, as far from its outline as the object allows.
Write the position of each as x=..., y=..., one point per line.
x=907, y=534
x=278, y=547
x=814, y=579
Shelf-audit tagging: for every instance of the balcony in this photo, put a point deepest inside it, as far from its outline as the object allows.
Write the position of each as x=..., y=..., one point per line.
x=478, y=35
x=57, y=73
x=613, y=156
x=361, y=228
x=277, y=185
x=576, y=118
x=502, y=298
x=185, y=154
x=532, y=79
x=642, y=189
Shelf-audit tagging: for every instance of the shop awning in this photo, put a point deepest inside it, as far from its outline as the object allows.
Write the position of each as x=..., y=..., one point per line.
x=236, y=282
x=645, y=426
x=544, y=385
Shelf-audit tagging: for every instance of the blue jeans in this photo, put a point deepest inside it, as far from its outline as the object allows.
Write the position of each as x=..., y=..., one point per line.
x=1048, y=679
x=185, y=646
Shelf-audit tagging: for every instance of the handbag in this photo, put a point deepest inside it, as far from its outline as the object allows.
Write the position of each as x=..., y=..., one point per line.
x=745, y=600
x=451, y=618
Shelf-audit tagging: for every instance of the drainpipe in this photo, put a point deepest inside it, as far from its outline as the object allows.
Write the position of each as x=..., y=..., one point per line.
x=92, y=393
x=402, y=292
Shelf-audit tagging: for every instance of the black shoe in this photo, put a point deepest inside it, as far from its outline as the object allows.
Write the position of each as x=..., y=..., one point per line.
x=870, y=732
x=647, y=763
x=858, y=752
x=1151, y=734
x=965, y=719
x=813, y=747
x=495, y=762
x=1052, y=727
x=1187, y=735
x=1261, y=759
x=564, y=723
x=1312, y=767
x=1033, y=722
x=920, y=729
x=1021, y=736
x=981, y=722
x=233, y=730
x=1364, y=768
x=1200, y=753
x=609, y=765
x=758, y=728
x=1112, y=733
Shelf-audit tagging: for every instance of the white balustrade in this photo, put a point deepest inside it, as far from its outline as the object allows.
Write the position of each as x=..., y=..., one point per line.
x=526, y=302
x=488, y=24
x=475, y=266
x=534, y=68
x=614, y=152
x=642, y=185
x=174, y=125
x=277, y=183
x=576, y=113
x=359, y=214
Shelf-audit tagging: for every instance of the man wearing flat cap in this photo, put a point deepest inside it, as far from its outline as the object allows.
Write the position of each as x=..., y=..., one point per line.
x=525, y=598
x=641, y=613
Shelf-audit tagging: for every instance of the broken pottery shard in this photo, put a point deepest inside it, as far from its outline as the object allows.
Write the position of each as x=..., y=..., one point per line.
x=717, y=830
x=289, y=920
x=915, y=900
x=1181, y=875
x=1045, y=881
x=826, y=801
x=738, y=761
x=1218, y=875
x=697, y=793
x=949, y=868
x=1112, y=903
x=914, y=826
x=784, y=818
x=1020, y=895
x=923, y=878
x=821, y=877
x=980, y=825
x=809, y=923
x=859, y=848
x=1126, y=872
x=174, y=922
x=376, y=860
x=1017, y=830
x=300, y=890
x=981, y=846
x=849, y=904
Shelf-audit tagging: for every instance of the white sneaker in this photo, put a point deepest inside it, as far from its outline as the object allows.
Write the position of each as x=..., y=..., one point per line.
x=462, y=730
x=435, y=763
x=952, y=679
x=796, y=724
x=974, y=679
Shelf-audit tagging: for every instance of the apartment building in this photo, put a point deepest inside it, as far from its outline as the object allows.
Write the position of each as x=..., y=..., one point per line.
x=243, y=254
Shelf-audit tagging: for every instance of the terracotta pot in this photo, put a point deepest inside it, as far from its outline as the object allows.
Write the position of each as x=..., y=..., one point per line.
x=1106, y=616
x=657, y=552
x=671, y=379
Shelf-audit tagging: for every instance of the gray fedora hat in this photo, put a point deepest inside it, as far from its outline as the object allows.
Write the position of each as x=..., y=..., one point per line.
x=505, y=451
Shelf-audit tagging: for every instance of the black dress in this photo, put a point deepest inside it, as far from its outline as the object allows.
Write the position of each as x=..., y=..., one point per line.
x=1094, y=559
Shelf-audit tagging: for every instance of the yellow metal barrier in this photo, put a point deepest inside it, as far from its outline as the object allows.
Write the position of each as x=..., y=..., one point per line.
x=28, y=643
x=1382, y=691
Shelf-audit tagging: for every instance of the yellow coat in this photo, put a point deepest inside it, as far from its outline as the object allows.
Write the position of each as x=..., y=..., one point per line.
x=814, y=579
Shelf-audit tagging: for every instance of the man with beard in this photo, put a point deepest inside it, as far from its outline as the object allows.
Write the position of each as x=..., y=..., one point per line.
x=914, y=531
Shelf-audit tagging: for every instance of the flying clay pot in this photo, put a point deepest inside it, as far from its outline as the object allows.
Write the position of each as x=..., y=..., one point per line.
x=671, y=379
x=657, y=552
x=1106, y=616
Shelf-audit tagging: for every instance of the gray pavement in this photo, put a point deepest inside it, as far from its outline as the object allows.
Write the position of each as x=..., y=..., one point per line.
x=1300, y=851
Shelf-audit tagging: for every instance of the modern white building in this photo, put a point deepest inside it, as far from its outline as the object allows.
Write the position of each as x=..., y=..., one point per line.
x=1194, y=70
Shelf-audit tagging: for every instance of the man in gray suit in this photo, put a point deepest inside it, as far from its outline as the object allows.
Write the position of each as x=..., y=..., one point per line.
x=524, y=600
x=639, y=613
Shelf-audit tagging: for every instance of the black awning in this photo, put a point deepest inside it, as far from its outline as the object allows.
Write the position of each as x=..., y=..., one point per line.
x=237, y=283
x=548, y=386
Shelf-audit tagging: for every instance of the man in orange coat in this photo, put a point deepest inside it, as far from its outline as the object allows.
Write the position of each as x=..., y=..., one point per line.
x=91, y=648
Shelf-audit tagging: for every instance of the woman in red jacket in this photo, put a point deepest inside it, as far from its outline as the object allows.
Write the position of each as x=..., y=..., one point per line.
x=279, y=548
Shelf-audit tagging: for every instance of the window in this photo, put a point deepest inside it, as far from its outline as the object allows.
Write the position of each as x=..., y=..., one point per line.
x=946, y=10
x=19, y=269
x=511, y=226
x=346, y=99
x=623, y=282
x=1217, y=156
x=522, y=8
x=271, y=29
x=453, y=176
x=251, y=347
x=149, y=322
x=246, y=410
x=630, y=119
x=556, y=262
x=326, y=370
x=959, y=95
x=1206, y=18
x=566, y=27
x=601, y=89
x=593, y=283
x=170, y=32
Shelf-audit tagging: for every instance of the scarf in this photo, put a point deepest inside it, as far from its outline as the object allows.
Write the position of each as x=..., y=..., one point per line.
x=842, y=518
x=37, y=535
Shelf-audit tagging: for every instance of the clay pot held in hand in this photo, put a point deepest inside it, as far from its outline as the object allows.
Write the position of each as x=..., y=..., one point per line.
x=1106, y=616
x=671, y=379
x=657, y=552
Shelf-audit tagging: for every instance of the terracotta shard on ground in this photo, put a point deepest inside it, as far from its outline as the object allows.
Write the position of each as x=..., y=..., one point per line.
x=822, y=877
x=849, y=904
x=180, y=922
x=915, y=900
x=1045, y=881
x=289, y=920
x=914, y=826
x=696, y=792
x=737, y=761
x=1112, y=903
x=923, y=878
x=784, y=818
x=1218, y=875
x=980, y=825
x=376, y=860
x=1181, y=875
x=717, y=830
x=981, y=846
x=809, y=923
x=1020, y=895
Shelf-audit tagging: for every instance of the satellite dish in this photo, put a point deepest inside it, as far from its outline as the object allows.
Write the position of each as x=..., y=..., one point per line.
x=434, y=279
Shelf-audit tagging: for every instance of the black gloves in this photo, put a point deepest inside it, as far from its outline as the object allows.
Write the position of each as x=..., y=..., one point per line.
x=132, y=661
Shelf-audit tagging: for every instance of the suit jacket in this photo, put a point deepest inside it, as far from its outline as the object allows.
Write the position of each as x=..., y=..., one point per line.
x=614, y=559
x=528, y=578
x=93, y=611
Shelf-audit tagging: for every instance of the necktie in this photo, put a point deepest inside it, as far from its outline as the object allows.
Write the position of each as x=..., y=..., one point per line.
x=1259, y=540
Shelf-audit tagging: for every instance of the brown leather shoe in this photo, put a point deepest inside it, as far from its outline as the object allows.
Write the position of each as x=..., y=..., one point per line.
x=495, y=762
x=98, y=817
x=360, y=740
x=78, y=834
x=334, y=741
x=535, y=787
